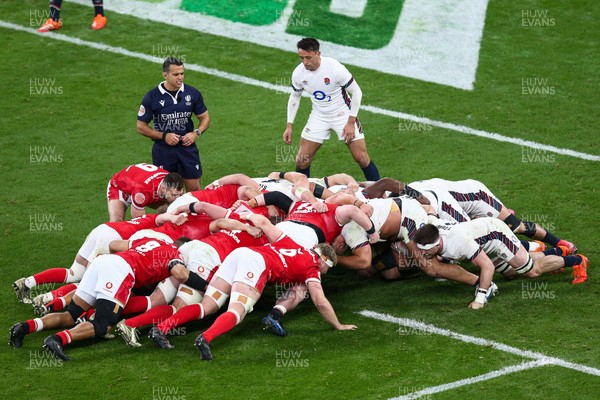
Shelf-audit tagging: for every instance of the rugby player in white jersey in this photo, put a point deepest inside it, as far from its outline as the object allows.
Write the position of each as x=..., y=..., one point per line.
x=479, y=201
x=478, y=239
x=328, y=84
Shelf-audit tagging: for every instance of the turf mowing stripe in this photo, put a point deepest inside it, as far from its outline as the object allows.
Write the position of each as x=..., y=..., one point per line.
x=277, y=88
x=469, y=381
x=480, y=341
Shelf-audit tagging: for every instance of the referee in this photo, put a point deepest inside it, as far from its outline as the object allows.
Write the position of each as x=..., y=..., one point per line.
x=171, y=105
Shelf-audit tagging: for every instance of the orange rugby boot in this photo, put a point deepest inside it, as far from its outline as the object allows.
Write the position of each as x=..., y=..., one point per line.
x=580, y=271
x=50, y=25
x=99, y=22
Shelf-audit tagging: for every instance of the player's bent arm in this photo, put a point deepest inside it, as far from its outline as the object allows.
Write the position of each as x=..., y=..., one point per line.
x=228, y=224
x=245, y=193
x=261, y=222
x=341, y=179
x=437, y=269
x=237, y=179
x=187, y=277
x=118, y=245
x=360, y=259
x=324, y=306
x=347, y=213
x=144, y=129
x=212, y=210
x=306, y=195
x=342, y=199
x=172, y=218
x=294, y=177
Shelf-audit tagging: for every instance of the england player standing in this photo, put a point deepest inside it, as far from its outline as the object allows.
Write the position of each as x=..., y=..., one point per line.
x=171, y=105
x=328, y=83
x=54, y=23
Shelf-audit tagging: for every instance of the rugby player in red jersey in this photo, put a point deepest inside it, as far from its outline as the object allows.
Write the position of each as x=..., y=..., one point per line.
x=245, y=272
x=95, y=243
x=204, y=257
x=107, y=285
x=141, y=185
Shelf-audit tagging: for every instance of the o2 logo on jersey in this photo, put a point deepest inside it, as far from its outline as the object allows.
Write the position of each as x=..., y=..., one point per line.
x=320, y=95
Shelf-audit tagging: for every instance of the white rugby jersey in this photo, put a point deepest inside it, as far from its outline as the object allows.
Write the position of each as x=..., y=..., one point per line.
x=466, y=240
x=473, y=196
x=413, y=217
x=326, y=86
x=355, y=236
x=441, y=200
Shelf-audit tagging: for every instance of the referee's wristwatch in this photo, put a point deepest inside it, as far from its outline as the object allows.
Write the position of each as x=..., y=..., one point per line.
x=198, y=132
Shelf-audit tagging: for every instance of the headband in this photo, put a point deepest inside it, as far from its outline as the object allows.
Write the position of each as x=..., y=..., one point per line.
x=428, y=246
x=329, y=262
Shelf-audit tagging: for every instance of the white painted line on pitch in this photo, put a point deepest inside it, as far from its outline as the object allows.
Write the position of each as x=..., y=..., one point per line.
x=284, y=89
x=411, y=323
x=469, y=381
x=480, y=133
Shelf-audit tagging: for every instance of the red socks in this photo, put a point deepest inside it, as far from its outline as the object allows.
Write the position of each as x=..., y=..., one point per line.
x=65, y=337
x=224, y=323
x=150, y=317
x=63, y=290
x=183, y=316
x=52, y=275
x=136, y=304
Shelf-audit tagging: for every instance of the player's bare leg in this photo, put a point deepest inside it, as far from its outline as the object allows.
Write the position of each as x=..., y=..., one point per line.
x=51, y=321
x=116, y=210
x=534, y=231
x=305, y=155
x=215, y=297
x=358, y=148
x=192, y=184
x=548, y=263
x=157, y=298
x=107, y=315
